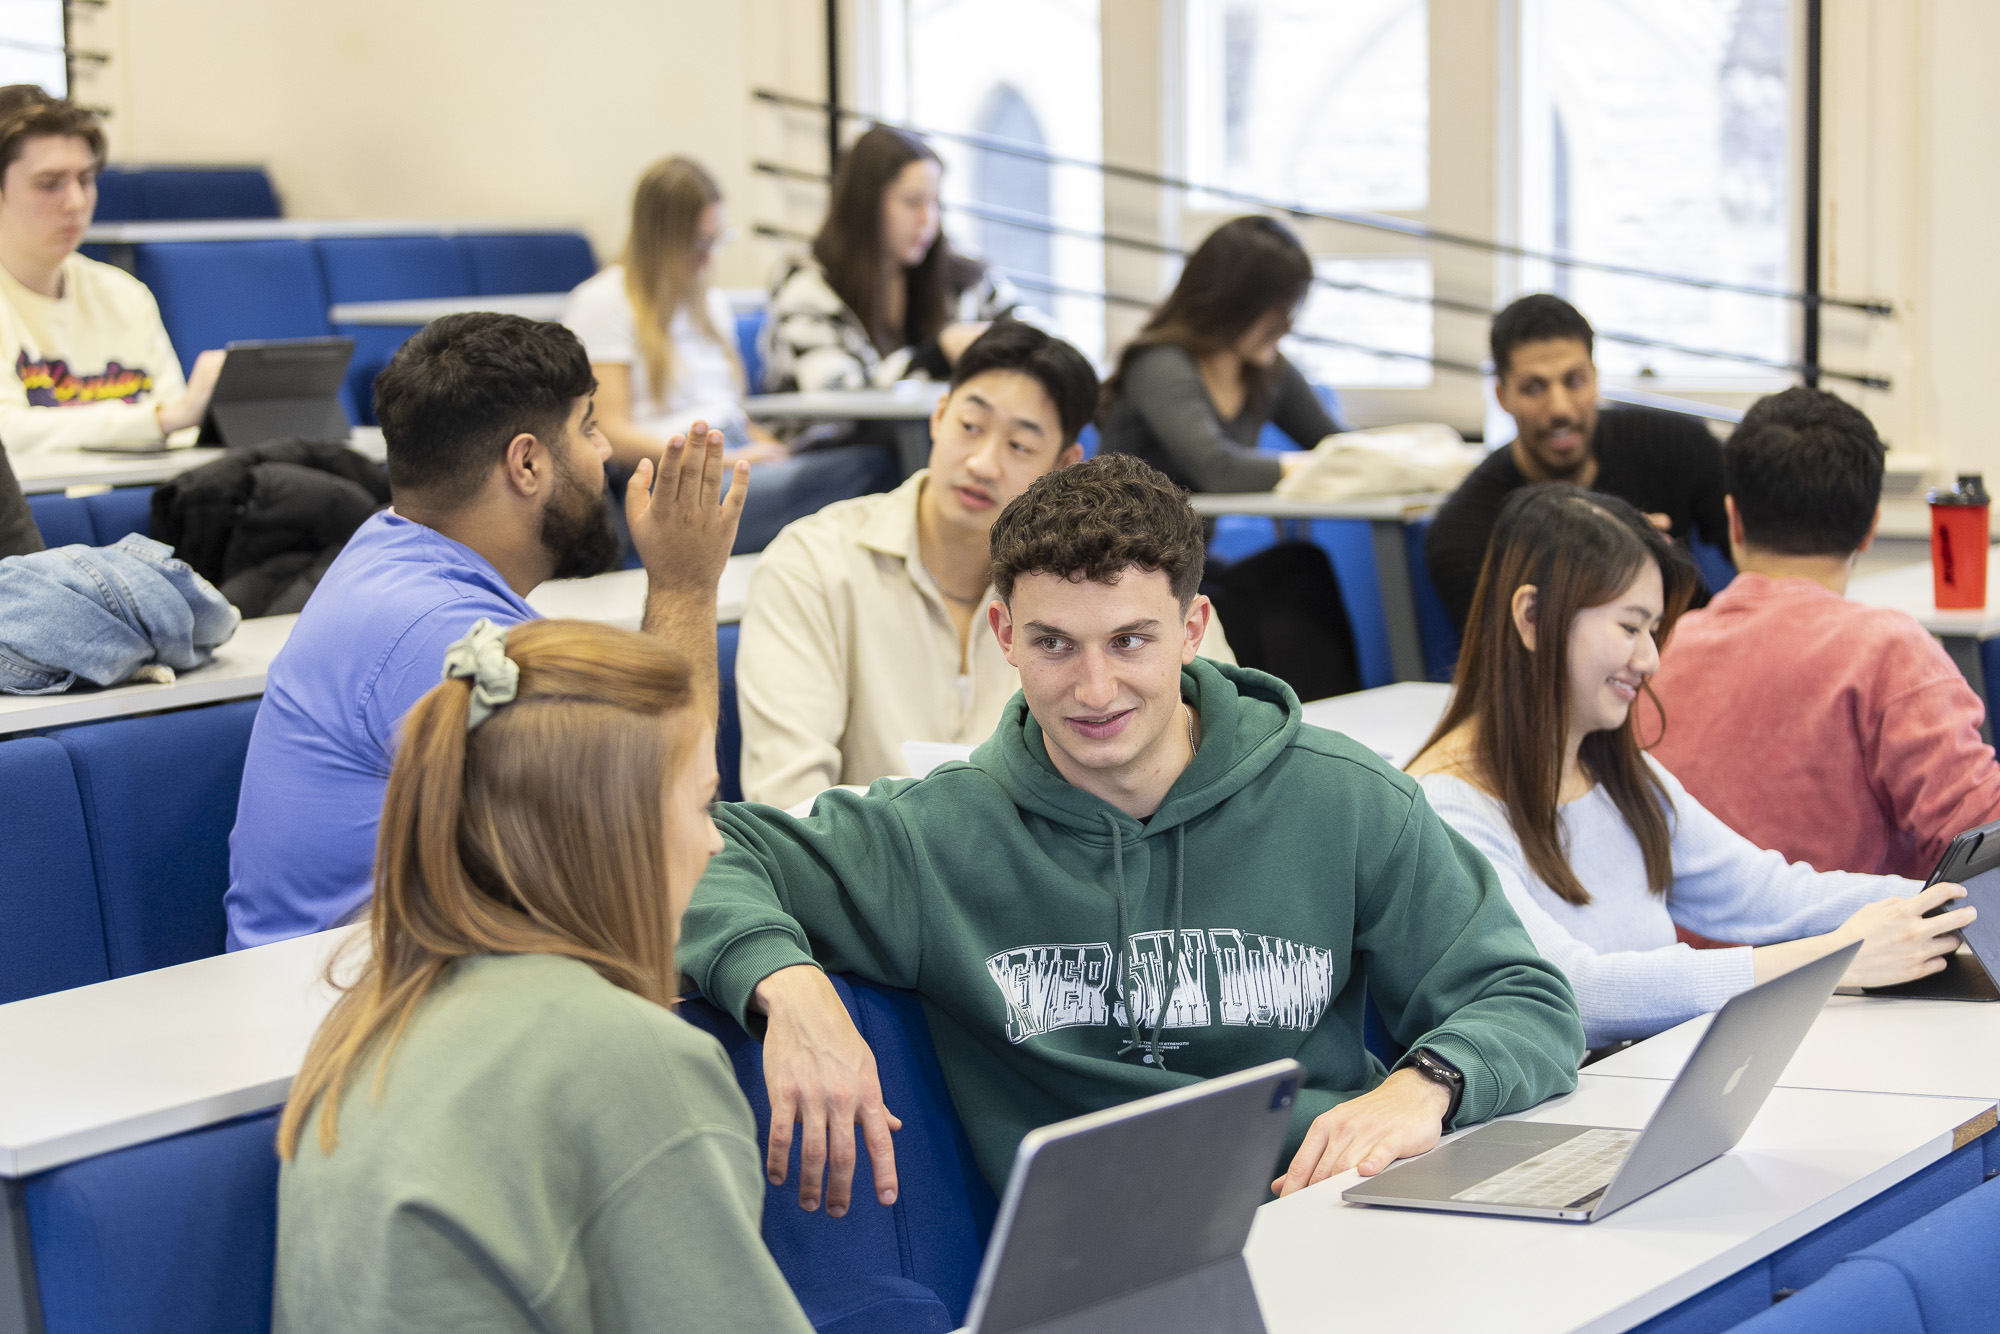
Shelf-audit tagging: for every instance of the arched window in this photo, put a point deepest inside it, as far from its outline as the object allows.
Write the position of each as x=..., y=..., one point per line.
x=1003, y=180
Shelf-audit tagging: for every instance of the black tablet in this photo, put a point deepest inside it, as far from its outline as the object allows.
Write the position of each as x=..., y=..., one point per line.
x=1972, y=860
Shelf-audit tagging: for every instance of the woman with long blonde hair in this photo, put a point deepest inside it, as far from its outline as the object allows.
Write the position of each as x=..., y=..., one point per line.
x=502, y=1124
x=662, y=341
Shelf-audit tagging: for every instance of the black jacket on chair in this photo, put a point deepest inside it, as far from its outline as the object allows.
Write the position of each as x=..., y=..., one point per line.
x=263, y=523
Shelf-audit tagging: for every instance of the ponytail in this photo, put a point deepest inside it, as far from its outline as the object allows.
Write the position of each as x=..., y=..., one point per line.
x=537, y=833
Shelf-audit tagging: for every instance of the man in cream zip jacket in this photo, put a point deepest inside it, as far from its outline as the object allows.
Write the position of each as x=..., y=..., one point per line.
x=1152, y=873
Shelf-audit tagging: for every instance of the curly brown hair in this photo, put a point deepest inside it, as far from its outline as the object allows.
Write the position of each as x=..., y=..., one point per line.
x=1095, y=519
x=27, y=112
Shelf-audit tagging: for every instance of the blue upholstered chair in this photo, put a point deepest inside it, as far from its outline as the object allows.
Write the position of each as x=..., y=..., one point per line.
x=386, y=268
x=1437, y=635
x=63, y=520
x=51, y=930
x=728, y=728
x=503, y=263
x=159, y=799
x=119, y=511
x=910, y=1266
x=749, y=327
x=178, y=1236
x=211, y=292
x=176, y=193
x=1812, y=1256
x=1860, y=1296
x=119, y=196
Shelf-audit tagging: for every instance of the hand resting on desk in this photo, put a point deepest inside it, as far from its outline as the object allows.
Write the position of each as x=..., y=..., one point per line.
x=1401, y=1117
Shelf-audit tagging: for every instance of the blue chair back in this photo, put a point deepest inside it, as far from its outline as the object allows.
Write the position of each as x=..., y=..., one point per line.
x=1089, y=440
x=1950, y=1258
x=936, y=1231
x=175, y=193
x=1438, y=637
x=119, y=511
x=503, y=263
x=159, y=799
x=211, y=292
x=179, y=1235
x=63, y=520
x=119, y=196
x=749, y=328
x=51, y=930
x=386, y=268
x=728, y=727
x=1858, y=1297
x=1713, y=562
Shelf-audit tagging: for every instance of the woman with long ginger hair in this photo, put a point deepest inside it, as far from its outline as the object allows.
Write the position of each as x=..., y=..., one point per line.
x=1538, y=763
x=502, y=1125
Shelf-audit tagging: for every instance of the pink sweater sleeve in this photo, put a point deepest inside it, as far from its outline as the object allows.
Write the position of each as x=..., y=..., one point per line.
x=1928, y=760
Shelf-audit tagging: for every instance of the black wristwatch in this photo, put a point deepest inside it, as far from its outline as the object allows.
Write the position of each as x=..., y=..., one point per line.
x=1439, y=1071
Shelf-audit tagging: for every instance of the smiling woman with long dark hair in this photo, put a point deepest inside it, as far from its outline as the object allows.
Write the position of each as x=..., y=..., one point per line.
x=1538, y=763
x=881, y=295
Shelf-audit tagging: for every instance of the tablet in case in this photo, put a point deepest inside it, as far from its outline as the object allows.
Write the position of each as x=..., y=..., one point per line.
x=279, y=389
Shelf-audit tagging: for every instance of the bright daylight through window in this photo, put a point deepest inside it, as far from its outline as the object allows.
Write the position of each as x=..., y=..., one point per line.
x=1328, y=106
x=1656, y=135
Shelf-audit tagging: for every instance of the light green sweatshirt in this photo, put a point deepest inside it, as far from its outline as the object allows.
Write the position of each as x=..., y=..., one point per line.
x=1071, y=957
x=549, y=1153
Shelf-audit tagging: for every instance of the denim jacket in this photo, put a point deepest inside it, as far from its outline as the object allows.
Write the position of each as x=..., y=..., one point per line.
x=102, y=613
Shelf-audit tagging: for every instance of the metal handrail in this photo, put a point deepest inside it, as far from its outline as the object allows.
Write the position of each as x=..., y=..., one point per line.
x=1035, y=222
x=1353, y=218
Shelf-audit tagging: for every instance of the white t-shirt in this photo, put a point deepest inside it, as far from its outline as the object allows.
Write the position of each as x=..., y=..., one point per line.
x=85, y=368
x=704, y=385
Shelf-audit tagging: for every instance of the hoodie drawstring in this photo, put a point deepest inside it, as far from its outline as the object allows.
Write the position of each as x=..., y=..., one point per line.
x=1171, y=981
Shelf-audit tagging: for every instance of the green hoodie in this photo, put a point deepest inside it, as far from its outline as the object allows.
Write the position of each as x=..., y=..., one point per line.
x=1287, y=867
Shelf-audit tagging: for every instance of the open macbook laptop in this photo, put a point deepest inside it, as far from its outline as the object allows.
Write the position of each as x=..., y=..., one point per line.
x=1972, y=860
x=1532, y=1169
x=1133, y=1218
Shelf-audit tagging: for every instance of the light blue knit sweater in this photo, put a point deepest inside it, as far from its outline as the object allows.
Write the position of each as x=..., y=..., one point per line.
x=1632, y=978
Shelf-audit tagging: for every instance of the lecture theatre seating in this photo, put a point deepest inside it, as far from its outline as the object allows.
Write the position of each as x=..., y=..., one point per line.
x=176, y=194
x=92, y=521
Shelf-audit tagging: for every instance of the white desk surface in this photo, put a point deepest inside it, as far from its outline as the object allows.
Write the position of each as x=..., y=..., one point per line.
x=619, y=598
x=61, y=469
x=1908, y=588
x=138, y=1058
x=1390, y=720
x=237, y=672
x=1319, y=1263
x=240, y=666
x=1268, y=504
x=531, y=305
x=910, y=401
x=1941, y=1049
x=297, y=229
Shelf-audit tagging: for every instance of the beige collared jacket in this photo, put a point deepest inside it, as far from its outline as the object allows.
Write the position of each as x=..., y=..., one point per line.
x=848, y=650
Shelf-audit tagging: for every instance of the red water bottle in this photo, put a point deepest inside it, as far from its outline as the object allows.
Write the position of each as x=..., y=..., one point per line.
x=1958, y=544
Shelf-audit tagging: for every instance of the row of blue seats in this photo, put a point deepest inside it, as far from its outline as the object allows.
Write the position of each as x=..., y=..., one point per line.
x=180, y=1234
x=215, y=292
x=116, y=857
x=180, y=194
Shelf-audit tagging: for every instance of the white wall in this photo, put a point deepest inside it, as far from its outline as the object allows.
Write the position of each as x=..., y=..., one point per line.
x=513, y=110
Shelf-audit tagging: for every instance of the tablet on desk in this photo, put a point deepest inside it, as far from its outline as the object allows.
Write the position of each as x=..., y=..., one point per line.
x=1972, y=860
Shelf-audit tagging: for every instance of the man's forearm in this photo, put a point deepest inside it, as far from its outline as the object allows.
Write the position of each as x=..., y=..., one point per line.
x=684, y=620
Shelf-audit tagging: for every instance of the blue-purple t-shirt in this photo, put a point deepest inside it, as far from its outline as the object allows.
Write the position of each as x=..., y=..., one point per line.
x=369, y=643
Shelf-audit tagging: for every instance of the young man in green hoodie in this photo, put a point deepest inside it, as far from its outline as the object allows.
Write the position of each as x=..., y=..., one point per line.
x=1152, y=873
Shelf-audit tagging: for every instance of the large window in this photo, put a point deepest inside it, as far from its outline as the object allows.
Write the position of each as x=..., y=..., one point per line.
x=1032, y=80
x=1328, y=106
x=31, y=44
x=1656, y=135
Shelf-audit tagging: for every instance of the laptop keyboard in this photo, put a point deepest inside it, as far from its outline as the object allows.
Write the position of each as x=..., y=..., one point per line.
x=1560, y=1178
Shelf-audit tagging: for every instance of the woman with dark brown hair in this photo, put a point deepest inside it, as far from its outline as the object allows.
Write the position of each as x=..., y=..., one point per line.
x=1196, y=386
x=502, y=1125
x=881, y=296
x=1538, y=763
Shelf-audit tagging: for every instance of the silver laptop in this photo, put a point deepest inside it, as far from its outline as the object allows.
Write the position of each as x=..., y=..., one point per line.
x=1134, y=1218
x=1530, y=1169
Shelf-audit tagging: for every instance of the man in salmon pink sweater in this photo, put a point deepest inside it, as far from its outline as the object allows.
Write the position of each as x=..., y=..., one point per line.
x=1838, y=733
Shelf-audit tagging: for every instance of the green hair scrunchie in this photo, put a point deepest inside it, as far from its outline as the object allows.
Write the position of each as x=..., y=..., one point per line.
x=481, y=657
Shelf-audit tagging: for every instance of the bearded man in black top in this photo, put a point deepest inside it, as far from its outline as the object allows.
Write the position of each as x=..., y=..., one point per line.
x=1666, y=464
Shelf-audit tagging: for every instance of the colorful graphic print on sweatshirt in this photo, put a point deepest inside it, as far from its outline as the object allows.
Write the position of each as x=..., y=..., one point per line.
x=51, y=383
